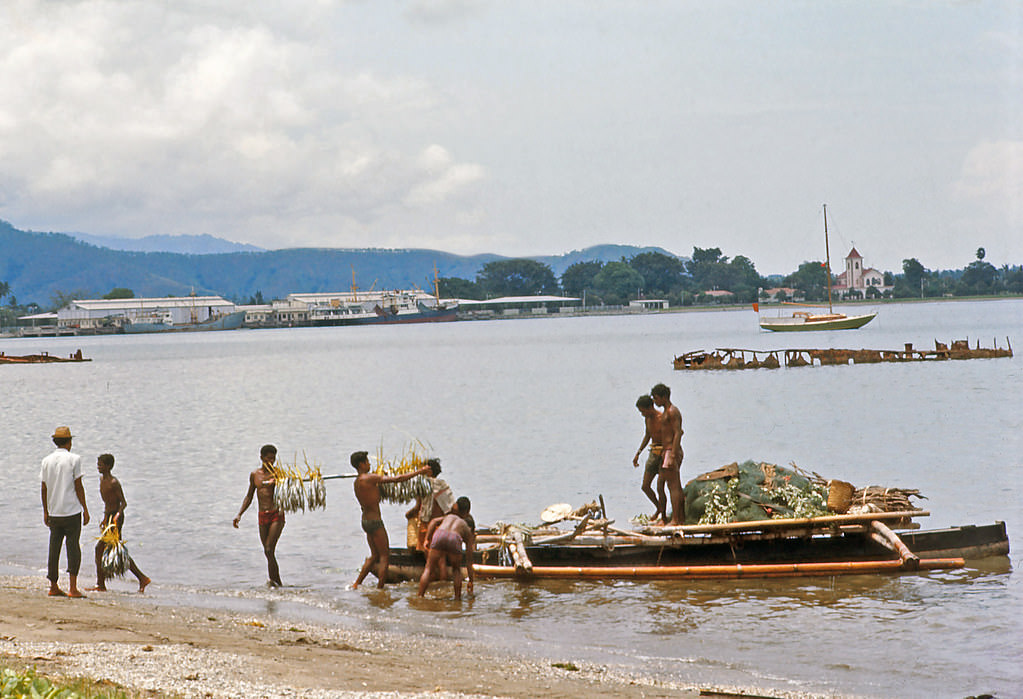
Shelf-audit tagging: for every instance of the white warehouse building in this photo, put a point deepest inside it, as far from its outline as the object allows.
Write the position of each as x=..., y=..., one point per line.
x=173, y=310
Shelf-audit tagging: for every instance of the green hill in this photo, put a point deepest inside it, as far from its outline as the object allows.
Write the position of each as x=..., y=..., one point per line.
x=37, y=266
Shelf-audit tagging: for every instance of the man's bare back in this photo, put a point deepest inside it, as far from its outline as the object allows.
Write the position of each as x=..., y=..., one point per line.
x=113, y=497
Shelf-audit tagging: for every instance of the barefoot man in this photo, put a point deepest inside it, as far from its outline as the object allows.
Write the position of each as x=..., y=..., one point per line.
x=672, y=441
x=367, y=492
x=446, y=535
x=655, y=458
x=271, y=520
x=113, y=513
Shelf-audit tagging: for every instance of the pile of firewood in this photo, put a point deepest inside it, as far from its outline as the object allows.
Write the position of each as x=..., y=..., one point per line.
x=874, y=498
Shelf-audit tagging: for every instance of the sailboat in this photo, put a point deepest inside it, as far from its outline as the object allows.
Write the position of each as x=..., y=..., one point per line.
x=806, y=320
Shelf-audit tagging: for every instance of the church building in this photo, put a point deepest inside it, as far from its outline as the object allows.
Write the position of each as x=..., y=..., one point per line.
x=858, y=280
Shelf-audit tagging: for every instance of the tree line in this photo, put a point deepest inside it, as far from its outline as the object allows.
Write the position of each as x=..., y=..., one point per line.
x=684, y=283
x=655, y=275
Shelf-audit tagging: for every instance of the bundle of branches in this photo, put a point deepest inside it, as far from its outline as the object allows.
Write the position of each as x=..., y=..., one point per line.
x=115, y=559
x=403, y=491
x=291, y=492
x=874, y=498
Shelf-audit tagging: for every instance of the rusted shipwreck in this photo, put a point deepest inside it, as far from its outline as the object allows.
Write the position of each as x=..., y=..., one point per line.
x=732, y=358
x=43, y=358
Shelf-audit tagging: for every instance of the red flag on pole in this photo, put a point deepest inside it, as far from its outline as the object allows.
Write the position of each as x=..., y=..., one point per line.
x=756, y=307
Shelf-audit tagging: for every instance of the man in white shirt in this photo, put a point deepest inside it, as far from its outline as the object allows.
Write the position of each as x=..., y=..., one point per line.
x=64, y=510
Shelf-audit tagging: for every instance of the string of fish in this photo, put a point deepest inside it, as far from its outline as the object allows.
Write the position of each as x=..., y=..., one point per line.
x=298, y=489
x=404, y=491
x=115, y=559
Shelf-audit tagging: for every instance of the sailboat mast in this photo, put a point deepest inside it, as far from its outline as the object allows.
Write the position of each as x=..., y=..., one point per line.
x=827, y=257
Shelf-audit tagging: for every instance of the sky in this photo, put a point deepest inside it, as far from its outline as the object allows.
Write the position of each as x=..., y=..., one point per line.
x=523, y=128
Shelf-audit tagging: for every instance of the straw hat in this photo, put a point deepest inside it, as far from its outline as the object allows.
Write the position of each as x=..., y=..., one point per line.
x=62, y=432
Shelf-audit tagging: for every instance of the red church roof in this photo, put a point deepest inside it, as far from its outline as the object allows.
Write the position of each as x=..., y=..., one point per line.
x=853, y=253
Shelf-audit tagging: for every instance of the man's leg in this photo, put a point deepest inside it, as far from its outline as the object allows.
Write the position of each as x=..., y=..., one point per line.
x=53, y=557
x=455, y=563
x=381, y=547
x=674, y=483
x=101, y=585
x=73, y=537
x=269, y=535
x=430, y=570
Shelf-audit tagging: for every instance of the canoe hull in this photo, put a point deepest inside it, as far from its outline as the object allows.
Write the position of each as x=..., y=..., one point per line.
x=742, y=555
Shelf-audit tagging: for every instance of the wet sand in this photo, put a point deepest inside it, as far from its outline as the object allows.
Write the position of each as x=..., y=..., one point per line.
x=129, y=639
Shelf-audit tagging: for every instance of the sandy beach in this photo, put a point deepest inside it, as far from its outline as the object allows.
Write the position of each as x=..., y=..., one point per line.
x=129, y=639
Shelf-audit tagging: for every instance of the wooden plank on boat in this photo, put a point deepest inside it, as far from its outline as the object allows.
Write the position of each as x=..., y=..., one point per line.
x=787, y=523
x=760, y=570
x=910, y=559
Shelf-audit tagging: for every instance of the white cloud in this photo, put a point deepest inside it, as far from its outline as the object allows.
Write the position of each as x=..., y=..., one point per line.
x=203, y=126
x=992, y=173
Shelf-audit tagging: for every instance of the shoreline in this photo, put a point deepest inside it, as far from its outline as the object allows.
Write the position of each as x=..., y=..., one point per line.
x=194, y=652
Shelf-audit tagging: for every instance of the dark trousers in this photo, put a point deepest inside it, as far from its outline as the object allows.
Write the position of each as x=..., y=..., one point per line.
x=64, y=529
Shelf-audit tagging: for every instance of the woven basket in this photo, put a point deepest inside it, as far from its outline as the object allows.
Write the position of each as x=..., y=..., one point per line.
x=839, y=496
x=412, y=533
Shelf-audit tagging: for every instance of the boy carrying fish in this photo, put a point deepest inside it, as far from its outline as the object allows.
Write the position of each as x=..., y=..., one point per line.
x=113, y=514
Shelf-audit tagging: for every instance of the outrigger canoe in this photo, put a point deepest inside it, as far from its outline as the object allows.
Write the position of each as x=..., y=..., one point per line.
x=822, y=546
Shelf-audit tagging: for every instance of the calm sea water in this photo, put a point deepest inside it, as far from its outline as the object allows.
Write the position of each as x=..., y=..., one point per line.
x=527, y=413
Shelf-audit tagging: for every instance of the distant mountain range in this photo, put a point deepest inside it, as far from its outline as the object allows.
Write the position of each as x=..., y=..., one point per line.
x=185, y=244
x=39, y=266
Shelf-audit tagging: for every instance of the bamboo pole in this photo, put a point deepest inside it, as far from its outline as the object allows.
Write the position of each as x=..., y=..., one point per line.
x=763, y=570
x=909, y=559
x=518, y=552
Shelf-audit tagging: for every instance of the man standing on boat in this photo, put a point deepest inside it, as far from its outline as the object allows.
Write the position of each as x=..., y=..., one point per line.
x=64, y=510
x=271, y=520
x=367, y=492
x=655, y=458
x=672, y=463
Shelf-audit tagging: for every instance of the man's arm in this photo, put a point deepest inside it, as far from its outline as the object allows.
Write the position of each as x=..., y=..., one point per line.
x=676, y=428
x=404, y=476
x=247, y=501
x=470, y=550
x=80, y=492
x=642, y=446
x=431, y=527
x=46, y=508
x=121, y=502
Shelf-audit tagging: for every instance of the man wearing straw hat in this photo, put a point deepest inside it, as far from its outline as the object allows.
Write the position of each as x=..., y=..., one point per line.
x=64, y=510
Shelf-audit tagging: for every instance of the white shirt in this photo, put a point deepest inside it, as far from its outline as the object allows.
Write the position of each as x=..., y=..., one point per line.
x=59, y=472
x=440, y=493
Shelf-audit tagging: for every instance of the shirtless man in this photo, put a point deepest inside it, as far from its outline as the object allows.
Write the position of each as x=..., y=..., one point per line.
x=653, y=420
x=446, y=535
x=271, y=520
x=367, y=492
x=672, y=440
x=113, y=513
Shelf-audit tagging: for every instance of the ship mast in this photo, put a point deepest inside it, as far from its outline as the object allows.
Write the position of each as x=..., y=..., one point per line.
x=827, y=257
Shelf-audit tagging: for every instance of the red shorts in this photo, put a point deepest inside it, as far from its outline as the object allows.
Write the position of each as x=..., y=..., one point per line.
x=270, y=516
